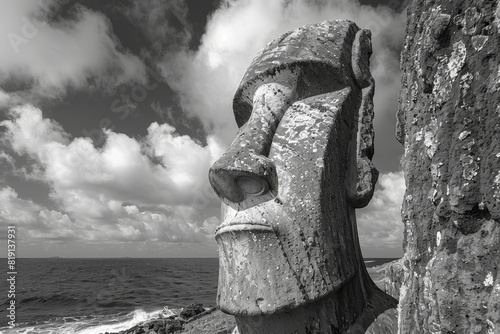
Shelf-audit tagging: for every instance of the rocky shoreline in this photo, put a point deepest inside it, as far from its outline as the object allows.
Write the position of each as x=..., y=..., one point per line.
x=192, y=319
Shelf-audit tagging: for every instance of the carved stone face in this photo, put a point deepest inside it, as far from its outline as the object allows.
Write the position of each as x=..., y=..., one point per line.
x=290, y=244
x=288, y=235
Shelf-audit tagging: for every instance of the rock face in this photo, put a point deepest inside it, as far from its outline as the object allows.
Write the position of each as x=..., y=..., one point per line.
x=300, y=164
x=449, y=123
x=393, y=278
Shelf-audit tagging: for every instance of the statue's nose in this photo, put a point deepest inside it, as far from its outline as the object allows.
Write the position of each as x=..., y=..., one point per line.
x=244, y=176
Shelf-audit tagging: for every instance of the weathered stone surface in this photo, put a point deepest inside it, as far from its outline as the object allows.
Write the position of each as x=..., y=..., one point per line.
x=393, y=278
x=289, y=254
x=449, y=123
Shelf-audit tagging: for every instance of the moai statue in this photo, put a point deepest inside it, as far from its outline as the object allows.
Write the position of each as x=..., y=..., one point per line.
x=300, y=165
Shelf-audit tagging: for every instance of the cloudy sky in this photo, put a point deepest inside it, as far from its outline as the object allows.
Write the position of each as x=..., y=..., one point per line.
x=111, y=113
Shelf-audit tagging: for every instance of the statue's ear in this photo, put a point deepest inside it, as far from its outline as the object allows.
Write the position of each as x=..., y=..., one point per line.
x=361, y=189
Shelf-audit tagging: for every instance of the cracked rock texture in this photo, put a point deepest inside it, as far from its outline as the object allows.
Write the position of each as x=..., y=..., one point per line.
x=449, y=124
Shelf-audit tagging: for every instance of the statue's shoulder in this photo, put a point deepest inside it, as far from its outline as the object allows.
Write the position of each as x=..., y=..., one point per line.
x=379, y=317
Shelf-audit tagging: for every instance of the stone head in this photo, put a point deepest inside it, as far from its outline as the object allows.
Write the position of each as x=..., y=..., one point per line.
x=299, y=166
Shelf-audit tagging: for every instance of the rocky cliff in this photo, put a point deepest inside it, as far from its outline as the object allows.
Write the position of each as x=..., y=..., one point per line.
x=449, y=124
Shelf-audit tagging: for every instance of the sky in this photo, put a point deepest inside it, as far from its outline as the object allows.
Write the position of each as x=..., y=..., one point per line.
x=112, y=112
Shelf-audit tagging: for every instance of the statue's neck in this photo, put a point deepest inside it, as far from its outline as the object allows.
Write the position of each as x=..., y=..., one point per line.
x=357, y=306
x=334, y=313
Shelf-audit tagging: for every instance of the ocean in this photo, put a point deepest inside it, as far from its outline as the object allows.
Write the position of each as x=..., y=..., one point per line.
x=92, y=296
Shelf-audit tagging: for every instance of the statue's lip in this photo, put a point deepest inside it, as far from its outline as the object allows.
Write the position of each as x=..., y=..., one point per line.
x=242, y=226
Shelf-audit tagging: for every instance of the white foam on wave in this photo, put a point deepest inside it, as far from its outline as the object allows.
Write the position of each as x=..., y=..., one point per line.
x=94, y=325
x=135, y=318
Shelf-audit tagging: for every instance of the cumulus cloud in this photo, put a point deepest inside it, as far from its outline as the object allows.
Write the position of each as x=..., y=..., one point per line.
x=4, y=99
x=7, y=159
x=128, y=223
x=15, y=210
x=42, y=59
x=379, y=224
x=207, y=79
x=117, y=191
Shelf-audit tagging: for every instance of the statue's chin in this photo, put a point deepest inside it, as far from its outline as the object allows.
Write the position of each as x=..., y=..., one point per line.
x=254, y=275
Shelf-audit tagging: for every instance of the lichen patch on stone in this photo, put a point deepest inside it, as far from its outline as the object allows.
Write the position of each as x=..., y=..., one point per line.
x=479, y=41
x=457, y=59
x=463, y=135
x=419, y=135
x=496, y=187
x=488, y=281
x=465, y=84
x=471, y=19
x=430, y=140
x=470, y=166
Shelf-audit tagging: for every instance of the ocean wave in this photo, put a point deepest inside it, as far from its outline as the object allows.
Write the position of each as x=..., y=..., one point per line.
x=61, y=300
x=123, y=323
x=85, y=325
x=116, y=303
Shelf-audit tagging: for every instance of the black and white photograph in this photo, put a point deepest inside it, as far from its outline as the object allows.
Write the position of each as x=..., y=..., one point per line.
x=250, y=166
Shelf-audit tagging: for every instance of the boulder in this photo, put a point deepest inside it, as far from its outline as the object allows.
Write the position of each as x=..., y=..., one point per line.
x=191, y=311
